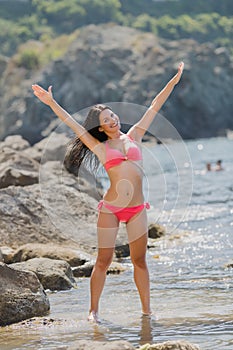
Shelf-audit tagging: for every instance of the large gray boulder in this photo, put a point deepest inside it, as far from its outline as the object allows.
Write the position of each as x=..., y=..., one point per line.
x=22, y=296
x=60, y=216
x=74, y=257
x=52, y=274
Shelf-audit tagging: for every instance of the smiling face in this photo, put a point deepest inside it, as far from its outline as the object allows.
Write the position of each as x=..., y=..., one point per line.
x=109, y=122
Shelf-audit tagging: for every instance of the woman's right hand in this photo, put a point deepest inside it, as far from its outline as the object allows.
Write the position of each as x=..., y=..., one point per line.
x=43, y=95
x=179, y=73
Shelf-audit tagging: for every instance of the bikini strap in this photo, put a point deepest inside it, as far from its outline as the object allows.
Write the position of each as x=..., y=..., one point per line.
x=100, y=204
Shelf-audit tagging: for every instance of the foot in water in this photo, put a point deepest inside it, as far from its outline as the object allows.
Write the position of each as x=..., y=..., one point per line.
x=93, y=317
x=149, y=316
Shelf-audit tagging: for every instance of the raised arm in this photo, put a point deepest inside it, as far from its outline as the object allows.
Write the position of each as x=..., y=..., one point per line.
x=47, y=98
x=139, y=129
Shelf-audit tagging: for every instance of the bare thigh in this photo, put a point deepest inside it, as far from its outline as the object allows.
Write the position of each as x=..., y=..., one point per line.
x=107, y=229
x=137, y=226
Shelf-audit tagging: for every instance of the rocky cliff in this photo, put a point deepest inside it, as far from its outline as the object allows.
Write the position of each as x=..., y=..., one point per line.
x=110, y=63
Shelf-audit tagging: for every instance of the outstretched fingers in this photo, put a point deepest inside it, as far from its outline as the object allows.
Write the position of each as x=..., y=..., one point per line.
x=181, y=67
x=37, y=88
x=45, y=96
x=179, y=73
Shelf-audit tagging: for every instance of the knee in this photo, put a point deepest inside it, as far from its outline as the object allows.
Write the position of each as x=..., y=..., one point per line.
x=103, y=263
x=139, y=262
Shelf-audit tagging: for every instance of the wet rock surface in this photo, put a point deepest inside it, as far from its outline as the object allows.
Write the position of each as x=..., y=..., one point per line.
x=156, y=231
x=22, y=296
x=171, y=345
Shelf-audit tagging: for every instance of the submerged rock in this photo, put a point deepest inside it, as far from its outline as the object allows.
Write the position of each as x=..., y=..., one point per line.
x=122, y=251
x=83, y=271
x=229, y=264
x=22, y=296
x=86, y=269
x=156, y=231
x=97, y=345
x=171, y=345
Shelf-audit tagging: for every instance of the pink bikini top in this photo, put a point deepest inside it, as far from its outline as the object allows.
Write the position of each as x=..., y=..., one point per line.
x=115, y=157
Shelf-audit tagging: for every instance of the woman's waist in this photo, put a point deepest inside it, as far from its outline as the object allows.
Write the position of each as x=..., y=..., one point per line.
x=127, y=180
x=123, y=199
x=129, y=171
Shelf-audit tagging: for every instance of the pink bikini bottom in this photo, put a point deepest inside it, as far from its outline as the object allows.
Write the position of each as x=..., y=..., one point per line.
x=124, y=214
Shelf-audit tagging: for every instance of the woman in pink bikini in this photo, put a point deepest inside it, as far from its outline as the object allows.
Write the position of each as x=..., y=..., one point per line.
x=123, y=202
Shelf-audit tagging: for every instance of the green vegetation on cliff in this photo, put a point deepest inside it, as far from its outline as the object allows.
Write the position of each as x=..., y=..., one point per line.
x=22, y=20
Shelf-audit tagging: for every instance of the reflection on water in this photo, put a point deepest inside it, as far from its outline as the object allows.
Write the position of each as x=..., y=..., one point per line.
x=45, y=333
x=191, y=289
x=199, y=314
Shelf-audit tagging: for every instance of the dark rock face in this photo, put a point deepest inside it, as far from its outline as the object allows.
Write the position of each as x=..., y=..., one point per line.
x=22, y=296
x=110, y=63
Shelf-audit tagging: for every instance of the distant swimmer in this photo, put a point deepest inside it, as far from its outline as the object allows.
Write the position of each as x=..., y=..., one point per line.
x=218, y=166
x=208, y=167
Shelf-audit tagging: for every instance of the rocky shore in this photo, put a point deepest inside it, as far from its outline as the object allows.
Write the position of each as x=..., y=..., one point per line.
x=36, y=253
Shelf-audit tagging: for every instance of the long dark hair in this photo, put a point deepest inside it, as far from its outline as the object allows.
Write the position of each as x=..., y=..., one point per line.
x=77, y=152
